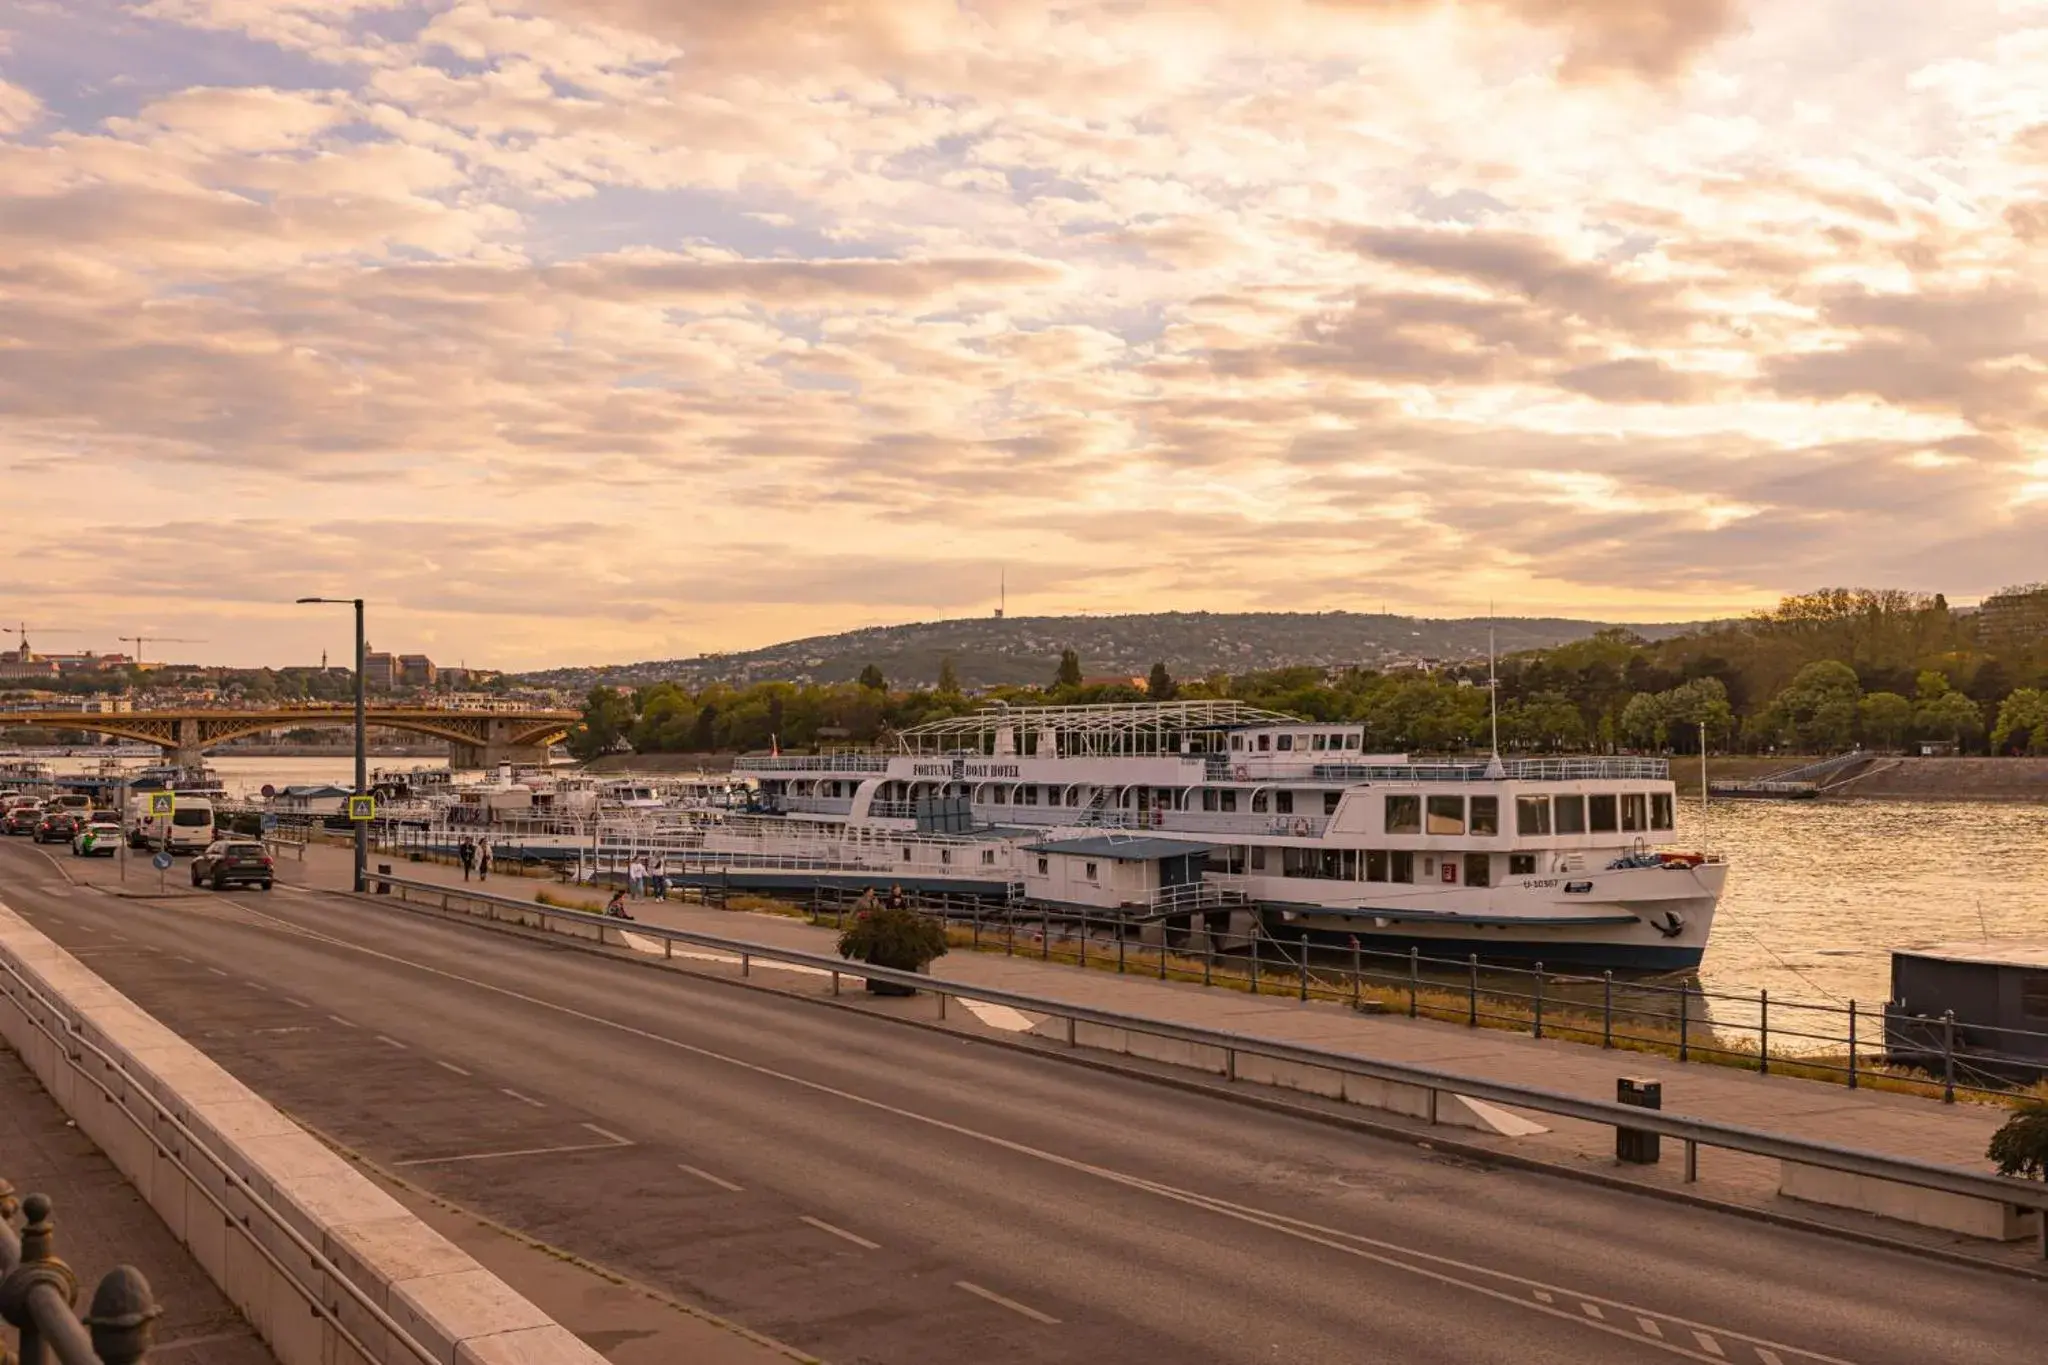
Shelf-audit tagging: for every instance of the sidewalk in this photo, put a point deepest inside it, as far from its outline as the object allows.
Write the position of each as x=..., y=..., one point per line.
x=1893, y=1124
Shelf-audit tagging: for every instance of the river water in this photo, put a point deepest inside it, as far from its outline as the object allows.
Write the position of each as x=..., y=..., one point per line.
x=1819, y=892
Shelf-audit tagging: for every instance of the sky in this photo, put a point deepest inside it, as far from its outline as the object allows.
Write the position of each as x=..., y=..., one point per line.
x=588, y=330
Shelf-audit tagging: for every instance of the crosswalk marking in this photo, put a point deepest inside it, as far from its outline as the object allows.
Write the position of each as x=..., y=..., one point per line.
x=1592, y=1310
x=1708, y=1344
x=1650, y=1328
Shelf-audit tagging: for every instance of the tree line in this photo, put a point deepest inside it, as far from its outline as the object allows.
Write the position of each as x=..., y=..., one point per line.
x=1820, y=672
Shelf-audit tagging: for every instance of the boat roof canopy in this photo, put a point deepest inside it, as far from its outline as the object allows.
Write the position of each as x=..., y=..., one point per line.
x=1091, y=726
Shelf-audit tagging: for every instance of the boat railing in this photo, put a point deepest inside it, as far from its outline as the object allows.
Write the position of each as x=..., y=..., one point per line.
x=813, y=763
x=1632, y=769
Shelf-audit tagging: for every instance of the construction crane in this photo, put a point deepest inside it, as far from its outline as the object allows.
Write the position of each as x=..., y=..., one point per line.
x=20, y=631
x=141, y=640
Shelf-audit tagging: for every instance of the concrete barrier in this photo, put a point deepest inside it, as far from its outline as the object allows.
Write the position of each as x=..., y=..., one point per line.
x=1907, y=1203
x=234, y=1179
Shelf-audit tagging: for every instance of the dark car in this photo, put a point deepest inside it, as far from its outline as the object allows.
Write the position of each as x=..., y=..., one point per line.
x=58, y=826
x=227, y=862
x=21, y=820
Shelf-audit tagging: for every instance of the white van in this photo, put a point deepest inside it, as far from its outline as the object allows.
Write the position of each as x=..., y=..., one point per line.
x=188, y=830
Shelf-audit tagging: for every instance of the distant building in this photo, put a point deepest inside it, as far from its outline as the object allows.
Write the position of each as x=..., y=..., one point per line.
x=416, y=670
x=380, y=671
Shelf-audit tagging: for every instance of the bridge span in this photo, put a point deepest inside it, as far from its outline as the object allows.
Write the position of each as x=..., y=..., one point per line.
x=480, y=739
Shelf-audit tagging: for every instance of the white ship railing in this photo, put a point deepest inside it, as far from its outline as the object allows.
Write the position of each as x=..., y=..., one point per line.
x=814, y=763
x=1512, y=770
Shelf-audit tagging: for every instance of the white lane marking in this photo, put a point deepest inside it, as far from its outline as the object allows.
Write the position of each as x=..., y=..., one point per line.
x=1592, y=1310
x=1768, y=1357
x=294, y=1000
x=122, y=938
x=1543, y=1296
x=1390, y=1254
x=998, y=1016
x=341, y=1021
x=257, y=986
x=1650, y=1328
x=711, y=1179
x=823, y=1226
x=523, y=1099
x=1011, y=1304
x=186, y=960
x=216, y=971
x=451, y=1066
x=608, y=1133
x=1708, y=1344
x=521, y=1151
x=389, y=1041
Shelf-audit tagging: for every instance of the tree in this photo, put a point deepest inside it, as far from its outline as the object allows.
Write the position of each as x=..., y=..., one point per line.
x=1160, y=685
x=2022, y=723
x=1886, y=717
x=872, y=679
x=607, y=715
x=1952, y=716
x=1818, y=710
x=1642, y=721
x=949, y=678
x=1070, y=670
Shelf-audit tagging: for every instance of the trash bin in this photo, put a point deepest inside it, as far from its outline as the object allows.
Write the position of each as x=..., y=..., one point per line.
x=1634, y=1146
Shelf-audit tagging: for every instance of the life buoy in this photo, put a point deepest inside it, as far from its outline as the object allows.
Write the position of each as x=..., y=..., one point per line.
x=1301, y=829
x=1240, y=772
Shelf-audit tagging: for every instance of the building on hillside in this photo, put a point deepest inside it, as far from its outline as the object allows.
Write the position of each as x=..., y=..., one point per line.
x=2015, y=616
x=416, y=670
x=380, y=671
x=20, y=663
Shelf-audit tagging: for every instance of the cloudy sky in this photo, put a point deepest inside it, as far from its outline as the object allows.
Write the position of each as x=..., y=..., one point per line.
x=569, y=330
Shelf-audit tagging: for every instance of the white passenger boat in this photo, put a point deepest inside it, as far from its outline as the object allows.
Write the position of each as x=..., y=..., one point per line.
x=1558, y=860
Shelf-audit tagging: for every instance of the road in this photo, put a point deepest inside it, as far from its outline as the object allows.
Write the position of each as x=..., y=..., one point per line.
x=874, y=1192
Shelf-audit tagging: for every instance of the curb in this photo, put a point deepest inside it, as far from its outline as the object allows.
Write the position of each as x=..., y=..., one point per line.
x=1427, y=1139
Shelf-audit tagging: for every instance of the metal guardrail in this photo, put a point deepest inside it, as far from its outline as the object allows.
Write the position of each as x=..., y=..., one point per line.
x=1694, y=1133
x=73, y=1044
x=39, y=1297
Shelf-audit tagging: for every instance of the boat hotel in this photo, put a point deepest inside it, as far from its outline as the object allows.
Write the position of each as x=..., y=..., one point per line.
x=1558, y=860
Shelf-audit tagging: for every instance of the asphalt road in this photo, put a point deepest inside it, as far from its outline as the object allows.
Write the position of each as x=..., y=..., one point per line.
x=873, y=1192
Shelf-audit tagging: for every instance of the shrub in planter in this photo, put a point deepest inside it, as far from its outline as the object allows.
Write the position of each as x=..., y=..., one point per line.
x=2021, y=1146
x=897, y=938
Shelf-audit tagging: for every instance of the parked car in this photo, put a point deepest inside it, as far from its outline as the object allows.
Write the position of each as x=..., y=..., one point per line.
x=58, y=826
x=188, y=830
x=99, y=837
x=228, y=861
x=21, y=820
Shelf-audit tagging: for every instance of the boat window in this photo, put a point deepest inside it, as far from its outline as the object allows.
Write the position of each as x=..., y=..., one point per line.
x=988, y=857
x=1073, y=796
x=1043, y=865
x=1209, y=797
x=1259, y=802
x=1404, y=814
x=1486, y=815
x=1634, y=812
x=1532, y=815
x=1027, y=794
x=1330, y=800
x=1479, y=869
x=999, y=795
x=2034, y=995
x=1283, y=803
x=945, y=855
x=1660, y=810
x=1285, y=743
x=1258, y=857
x=1403, y=866
x=1237, y=742
x=906, y=853
x=1521, y=864
x=1571, y=814
x=1090, y=874
x=1318, y=743
x=1348, y=868
x=1351, y=741
x=1376, y=865
x=1446, y=815
x=1601, y=814
x=1229, y=796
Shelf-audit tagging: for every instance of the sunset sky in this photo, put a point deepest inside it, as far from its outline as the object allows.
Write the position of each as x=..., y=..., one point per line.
x=585, y=330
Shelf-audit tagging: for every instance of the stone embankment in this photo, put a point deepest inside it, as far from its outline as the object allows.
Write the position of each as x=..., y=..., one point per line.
x=1951, y=779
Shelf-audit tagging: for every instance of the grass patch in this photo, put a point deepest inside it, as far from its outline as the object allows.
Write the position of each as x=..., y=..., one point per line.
x=558, y=901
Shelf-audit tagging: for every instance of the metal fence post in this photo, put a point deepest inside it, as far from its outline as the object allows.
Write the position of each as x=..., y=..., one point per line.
x=1763, y=1033
x=1948, y=1060
x=1162, y=950
x=1607, y=1009
x=1852, y=1044
x=1045, y=935
x=1472, y=994
x=1255, y=960
x=1118, y=929
x=1539, y=1000
x=1208, y=954
x=1684, y=1021
x=1355, y=973
x=1302, y=971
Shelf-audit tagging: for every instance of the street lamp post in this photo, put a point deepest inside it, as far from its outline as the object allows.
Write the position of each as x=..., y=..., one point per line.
x=362, y=827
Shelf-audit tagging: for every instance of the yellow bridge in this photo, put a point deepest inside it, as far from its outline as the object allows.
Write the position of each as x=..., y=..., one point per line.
x=479, y=738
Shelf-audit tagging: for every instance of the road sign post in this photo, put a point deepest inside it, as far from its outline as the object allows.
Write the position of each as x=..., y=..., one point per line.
x=362, y=808
x=162, y=863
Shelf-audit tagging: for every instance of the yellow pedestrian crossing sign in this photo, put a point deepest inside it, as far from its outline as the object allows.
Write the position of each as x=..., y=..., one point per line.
x=163, y=803
x=362, y=808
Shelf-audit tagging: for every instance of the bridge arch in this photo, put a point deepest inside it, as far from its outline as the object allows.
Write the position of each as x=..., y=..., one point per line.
x=480, y=738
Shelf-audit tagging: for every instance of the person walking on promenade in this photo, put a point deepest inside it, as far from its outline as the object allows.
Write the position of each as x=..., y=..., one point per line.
x=484, y=856
x=657, y=878
x=896, y=898
x=466, y=851
x=636, y=877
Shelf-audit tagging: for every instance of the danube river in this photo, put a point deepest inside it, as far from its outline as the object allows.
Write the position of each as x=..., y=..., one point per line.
x=1819, y=892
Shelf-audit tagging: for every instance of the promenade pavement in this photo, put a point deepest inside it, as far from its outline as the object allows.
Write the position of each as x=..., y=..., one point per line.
x=1877, y=1121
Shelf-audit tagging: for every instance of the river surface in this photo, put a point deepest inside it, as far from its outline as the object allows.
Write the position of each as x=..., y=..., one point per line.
x=1819, y=892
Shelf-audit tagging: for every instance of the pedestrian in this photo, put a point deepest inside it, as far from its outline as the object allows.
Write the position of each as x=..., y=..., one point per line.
x=466, y=851
x=616, y=906
x=636, y=876
x=483, y=859
x=657, y=878
x=896, y=899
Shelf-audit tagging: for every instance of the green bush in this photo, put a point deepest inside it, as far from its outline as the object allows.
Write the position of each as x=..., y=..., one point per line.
x=899, y=939
x=2021, y=1146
